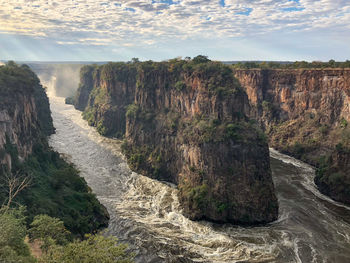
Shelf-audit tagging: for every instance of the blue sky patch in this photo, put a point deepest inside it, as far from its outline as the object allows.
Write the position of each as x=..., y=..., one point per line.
x=206, y=18
x=168, y=2
x=130, y=9
x=293, y=9
x=246, y=12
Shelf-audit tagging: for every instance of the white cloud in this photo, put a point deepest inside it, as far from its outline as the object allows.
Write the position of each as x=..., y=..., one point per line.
x=96, y=22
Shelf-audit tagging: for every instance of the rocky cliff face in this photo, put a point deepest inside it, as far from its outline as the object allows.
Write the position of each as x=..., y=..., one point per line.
x=306, y=113
x=56, y=188
x=112, y=89
x=85, y=86
x=22, y=120
x=186, y=123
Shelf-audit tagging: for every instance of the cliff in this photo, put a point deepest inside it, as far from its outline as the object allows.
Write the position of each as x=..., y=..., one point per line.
x=185, y=122
x=24, y=111
x=305, y=113
x=56, y=188
x=104, y=94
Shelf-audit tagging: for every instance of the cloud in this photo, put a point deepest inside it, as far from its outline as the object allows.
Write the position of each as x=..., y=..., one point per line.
x=150, y=22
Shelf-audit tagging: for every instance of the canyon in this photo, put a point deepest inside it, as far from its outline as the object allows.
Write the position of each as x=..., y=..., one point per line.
x=176, y=117
x=147, y=213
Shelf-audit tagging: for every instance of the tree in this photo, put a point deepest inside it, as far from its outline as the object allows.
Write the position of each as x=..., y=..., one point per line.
x=200, y=59
x=135, y=60
x=49, y=231
x=57, y=248
x=331, y=63
x=11, y=63
x=13, y=230
x=96, y=248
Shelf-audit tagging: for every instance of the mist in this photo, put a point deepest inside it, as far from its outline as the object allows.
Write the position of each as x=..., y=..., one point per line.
x=61, y=80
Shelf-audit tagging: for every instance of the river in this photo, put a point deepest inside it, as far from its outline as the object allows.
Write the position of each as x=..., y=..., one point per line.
x=146, y=213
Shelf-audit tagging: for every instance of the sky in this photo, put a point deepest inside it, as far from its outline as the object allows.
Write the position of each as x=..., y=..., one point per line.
x=97, y=30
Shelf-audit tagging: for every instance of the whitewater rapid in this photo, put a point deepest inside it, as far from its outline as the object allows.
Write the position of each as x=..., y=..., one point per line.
x=146, y=213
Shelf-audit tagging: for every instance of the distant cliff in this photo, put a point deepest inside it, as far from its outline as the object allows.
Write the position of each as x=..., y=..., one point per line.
x=306, y=113
x=56, y=188
x=185, y=122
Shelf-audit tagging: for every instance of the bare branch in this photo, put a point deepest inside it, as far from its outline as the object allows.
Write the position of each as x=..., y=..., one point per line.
x=15, y=184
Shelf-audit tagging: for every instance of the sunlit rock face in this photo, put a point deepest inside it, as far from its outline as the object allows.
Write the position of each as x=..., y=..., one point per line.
x=24, y=112
x=306, y=113
x=187, y=126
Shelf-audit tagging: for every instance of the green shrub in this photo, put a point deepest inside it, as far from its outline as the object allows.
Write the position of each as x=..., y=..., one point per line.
x=262, y=137
x=101, y=128
x=136, y=160
x=343, y=123
x=49, y=231
x=206, y=130
x=222, y=207
x=199, y=195
x=266, y=105
x=299, y=148
x=324, y=129
x=13, y=230
x=89, y=115
x=336, y=178
x=99, y=96
x=69, y=100
x=233, y=131
x=95, y=248
x=192, y=169
x=132, y=111
x=180, y=85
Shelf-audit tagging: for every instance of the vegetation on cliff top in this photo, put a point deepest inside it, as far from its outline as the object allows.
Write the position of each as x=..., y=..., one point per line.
x=217, y=78
x=294, y=65
x=14, y=78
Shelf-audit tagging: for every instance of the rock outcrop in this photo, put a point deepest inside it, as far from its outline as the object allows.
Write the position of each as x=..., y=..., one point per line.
x=186, y=123
x=305, y=113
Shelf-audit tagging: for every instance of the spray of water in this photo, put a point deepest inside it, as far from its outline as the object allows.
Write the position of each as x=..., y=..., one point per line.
x=60, y=79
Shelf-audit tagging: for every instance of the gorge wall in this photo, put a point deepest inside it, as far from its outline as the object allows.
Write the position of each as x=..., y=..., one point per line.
x=305, y=113
x=186, y=122
x=55, y=186
x=24, y=112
